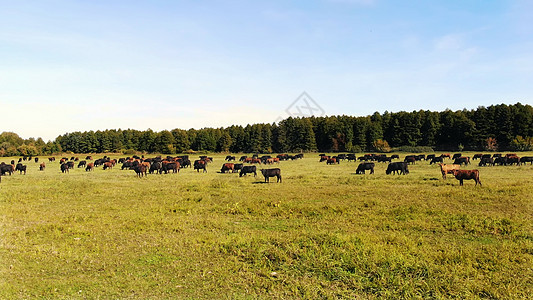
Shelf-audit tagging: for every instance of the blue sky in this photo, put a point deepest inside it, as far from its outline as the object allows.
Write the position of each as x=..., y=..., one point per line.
x=87, y=65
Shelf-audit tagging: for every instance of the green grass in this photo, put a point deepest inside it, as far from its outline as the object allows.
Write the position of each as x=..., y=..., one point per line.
x=322, y=233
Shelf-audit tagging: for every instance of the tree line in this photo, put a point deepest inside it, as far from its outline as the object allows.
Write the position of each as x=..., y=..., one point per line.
x=498, y=127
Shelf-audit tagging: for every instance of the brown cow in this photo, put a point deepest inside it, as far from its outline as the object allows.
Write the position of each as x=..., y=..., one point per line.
x=331, y=161
x=227, y=167
x=42, y=166
x=447, y=169
x=467, y=175
x=108, y=165
x=90, y=167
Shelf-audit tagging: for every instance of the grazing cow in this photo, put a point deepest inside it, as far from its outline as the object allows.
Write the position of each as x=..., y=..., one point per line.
x=82, y=164
x=237, y=167
x=267, y=173
x=365, y=166
x=256, y=161
x=466, y=175
x=410, y=159
x=230, y=158
x=185, y=163
x=90, y=167
x=500, y=161
x=513, y=160
x=447, y=155
x=227, y=167
x=21, y=168
x=70, y=164
x=4, y=168
x=457, y=155
x=461, y=160
x=200, y=165
x=526, y=159
x=447, y=169
x=248, y=169
x=395, y=156
x=430, y=156
x=397, y=167
x=89, y=157
x=140, y=170
x=42, y=166
x=351, y=157
x=497, y=155
x=108, y=165
x=127, y=165
x=324, y=158
x=243, y=158
x=64, y=168
x=435, y=160
x=51, y=159
x=486, y=161
x=331, y=161
x=477, y=156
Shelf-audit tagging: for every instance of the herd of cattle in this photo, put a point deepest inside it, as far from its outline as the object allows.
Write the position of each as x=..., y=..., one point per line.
x=158, y=165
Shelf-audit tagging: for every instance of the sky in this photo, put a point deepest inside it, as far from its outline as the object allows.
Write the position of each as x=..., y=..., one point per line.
x=93, y=65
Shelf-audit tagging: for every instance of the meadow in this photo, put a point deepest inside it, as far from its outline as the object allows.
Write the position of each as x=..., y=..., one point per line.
x=324, y=232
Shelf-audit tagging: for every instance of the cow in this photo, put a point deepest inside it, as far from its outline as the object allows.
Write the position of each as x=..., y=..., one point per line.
x=5, y=168
x=365, y=166
x=185, y=163
x=500, y=161
x=410, y=159
x=445, y=155
x=395, y=156
x=42, y=166
x=435, y=160
x=324, y=158
x=140, y=170
x=457, y=155
x=82, y=164
x=171, y=166
x=484, y=161
x=155, y=167
x=248, y=169
x=200, y=165
x=397, y=167
x=331, y=161
x=526, y=159
x=466, y=175
x=243, y=158
x=230, y=158
x=108, y=165
x=36, y=159
x=351, y=157
x=70, y=164
x=64, y=168
x=267, y=173
x=88, y=157
x=127, y=165
x=477, y=156
x=496, y=155
x=513, y=160
x=237, y=167
x=21, y=168
x=446, y=169
x=90, y=167
x=51, y=159
x=256, y=161
x=461, y=160
x=227, y=167
x=430, y=156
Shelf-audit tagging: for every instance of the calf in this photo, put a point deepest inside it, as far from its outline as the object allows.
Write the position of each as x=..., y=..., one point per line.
x=467, y=175
x=447, y=169
x=42, y=166
x=267, y=173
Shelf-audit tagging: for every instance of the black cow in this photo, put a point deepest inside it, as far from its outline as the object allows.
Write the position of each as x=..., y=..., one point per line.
x=436, y=159
x=486, y=161
x=4, y=168
x=365, y=166
x=155, y=167
x=248, y=169
x=21, y=168
x=82, y=164
x=36, y=160
x=513, y=160
x=500, y=161
x=237, y=167
x=127, y=165
x=397, y=167
x=200, y=165
x=457, y=155
x=430, y=156
x=267, y=173
x=410, y=159
x=64, y=168
x=243, y=158
x=461, y=161
x=70, y=164
x=526, y=159
x=185, y=163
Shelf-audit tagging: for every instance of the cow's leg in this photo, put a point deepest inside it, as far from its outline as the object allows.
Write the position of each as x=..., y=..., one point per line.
x=461, y=182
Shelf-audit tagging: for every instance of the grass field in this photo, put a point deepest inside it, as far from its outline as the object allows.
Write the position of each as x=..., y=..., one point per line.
x=322, y=233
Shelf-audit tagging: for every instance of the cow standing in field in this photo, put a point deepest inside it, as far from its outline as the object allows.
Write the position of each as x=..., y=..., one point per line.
x=484, y=161
x=200, y=165
x=447, y=169
x=526, y=159
x=21, y=168
x=140, y=170
x=64, y=168
x=42, y=166
x=90, y=167
x=466, y=175
x=5, y=168
x=365, y=166
x=248, y=169
x=397, y=167
x=267, y=173
x=227, y=168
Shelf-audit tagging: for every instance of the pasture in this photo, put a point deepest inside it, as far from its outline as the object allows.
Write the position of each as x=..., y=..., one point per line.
x=324, y=232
